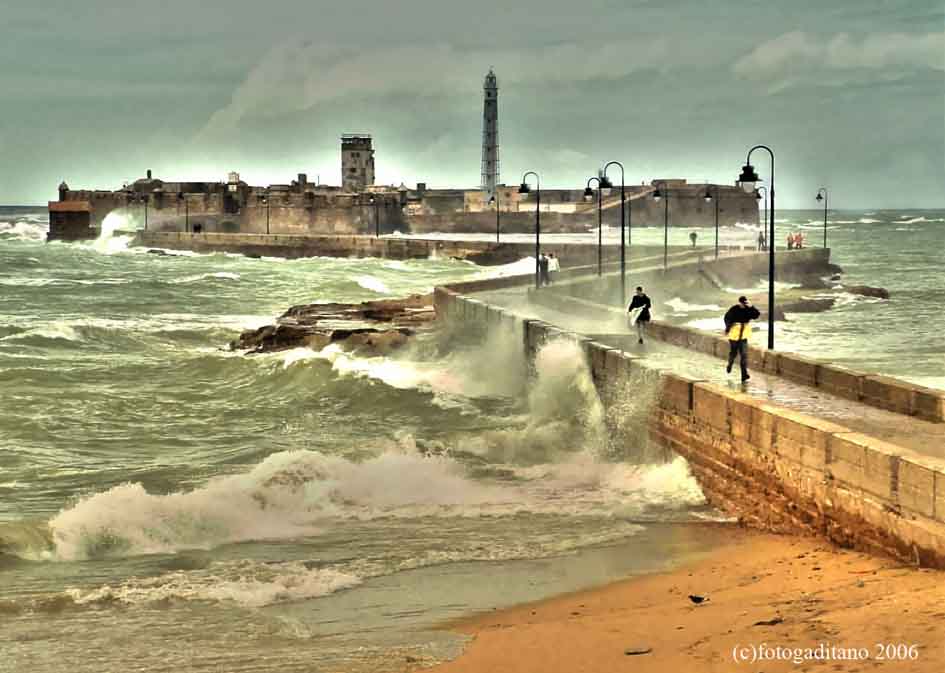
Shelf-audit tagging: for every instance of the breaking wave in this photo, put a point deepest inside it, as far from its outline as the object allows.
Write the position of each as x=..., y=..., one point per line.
x=551, y=460
x=373, y=284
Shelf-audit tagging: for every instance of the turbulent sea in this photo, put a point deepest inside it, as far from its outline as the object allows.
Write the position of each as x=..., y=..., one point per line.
x=168, y=505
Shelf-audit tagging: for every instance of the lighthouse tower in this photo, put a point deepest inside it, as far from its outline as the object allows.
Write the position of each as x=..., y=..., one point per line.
x=490, y=134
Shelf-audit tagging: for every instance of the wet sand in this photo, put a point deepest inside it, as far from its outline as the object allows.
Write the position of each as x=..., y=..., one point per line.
x=764, y=592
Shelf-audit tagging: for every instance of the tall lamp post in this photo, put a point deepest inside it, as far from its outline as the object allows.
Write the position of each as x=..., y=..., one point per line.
x=494, y=199
x=377, y=221
x=709, y=196
x=588, y=195
x=183, y=197
x=822, y=196
x=764, y=209
x=663, y=195
x=265, y=199
x=748, y=179
x=525, y=189
x=606, y=184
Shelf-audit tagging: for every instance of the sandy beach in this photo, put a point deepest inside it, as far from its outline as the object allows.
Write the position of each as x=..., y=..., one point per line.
x=772, y=604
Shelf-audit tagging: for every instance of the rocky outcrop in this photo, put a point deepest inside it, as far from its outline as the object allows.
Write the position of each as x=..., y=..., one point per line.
x=374, y=326
x=809, y=305
x=867, y=291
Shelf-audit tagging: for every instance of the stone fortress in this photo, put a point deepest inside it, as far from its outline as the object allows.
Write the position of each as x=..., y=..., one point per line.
x=359, y=206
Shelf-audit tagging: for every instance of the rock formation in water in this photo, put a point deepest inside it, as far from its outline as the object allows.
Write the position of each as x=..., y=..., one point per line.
x=375, y=326
x=867, y=291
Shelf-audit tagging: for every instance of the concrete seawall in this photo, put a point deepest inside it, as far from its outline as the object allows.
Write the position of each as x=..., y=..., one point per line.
x=391, y=247
x=773, y=467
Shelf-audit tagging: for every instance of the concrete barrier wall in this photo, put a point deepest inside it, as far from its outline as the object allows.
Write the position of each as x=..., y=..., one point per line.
x=346, y=245
x=772, y=467
x=877, y=391
x=783, y=470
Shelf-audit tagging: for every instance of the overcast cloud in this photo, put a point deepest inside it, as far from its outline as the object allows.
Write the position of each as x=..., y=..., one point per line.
x=849, y=94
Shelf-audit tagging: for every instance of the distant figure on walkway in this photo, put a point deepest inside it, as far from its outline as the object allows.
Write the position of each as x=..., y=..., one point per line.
x=543, y=270
x=790, y=241
x=798, y=241
x=761, y=240
x=738, y=329
x=553, y=266
x=639, y=310
x=692, y=237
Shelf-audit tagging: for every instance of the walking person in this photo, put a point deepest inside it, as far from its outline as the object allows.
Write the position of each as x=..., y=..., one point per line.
x=761, y=240
x=542, y=270
x=641, y=304
x=738, y=329
x=692, y=237
x=553, y=267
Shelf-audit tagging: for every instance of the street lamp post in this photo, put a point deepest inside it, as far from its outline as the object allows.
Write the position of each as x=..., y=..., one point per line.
x=663, y=194
x=822, y=196
x=494, y=199
x=588, y=195
x=764, y=209
x=525, y=189
x=377, y=222
x=748, y=179
x=183, y=197
x=606, y=184
x=710, y=197
x=265, y=199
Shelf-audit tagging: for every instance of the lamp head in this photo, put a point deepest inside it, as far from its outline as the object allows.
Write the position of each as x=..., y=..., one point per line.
x=657, y=194
x=820, y=197
x=748, y=178
x=708, y=195
x=524, y=188
x=605, y=182
x=588, y=193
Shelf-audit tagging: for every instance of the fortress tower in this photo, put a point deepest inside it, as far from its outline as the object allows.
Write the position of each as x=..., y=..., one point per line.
x=357, y=162
x=490, y=134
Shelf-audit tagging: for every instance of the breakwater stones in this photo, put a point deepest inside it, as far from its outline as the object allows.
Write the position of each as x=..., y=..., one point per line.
x=377, y=327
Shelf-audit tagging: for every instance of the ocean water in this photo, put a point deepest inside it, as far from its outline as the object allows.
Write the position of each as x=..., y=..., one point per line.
x=901, y=251
x=169, y=505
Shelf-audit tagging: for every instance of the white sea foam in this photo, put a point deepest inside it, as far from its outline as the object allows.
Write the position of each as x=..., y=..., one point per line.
x=680, y=306
x=246, y=583
x=372, y=283
x=708, y=324
x=59, y=329
x=24, y=230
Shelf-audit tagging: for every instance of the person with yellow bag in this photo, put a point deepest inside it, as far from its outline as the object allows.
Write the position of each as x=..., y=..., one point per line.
x=738, y=330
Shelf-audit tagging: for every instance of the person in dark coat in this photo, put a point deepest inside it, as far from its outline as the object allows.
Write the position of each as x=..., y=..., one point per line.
x=543, y=278
x=738, y=330
x=642, y=302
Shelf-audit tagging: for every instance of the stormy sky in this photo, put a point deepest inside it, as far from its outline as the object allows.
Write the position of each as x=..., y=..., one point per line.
x=850, y=94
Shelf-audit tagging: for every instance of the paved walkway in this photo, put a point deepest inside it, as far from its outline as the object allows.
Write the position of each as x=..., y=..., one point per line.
x=920, y=436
